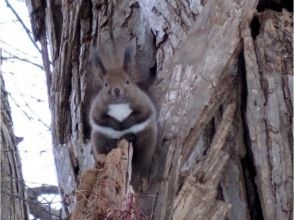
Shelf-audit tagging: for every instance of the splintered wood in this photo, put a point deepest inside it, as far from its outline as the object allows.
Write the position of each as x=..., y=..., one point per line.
x=196, y=199
x=105, y=192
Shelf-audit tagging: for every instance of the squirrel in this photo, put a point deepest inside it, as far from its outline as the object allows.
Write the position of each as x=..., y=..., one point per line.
x=122, y=110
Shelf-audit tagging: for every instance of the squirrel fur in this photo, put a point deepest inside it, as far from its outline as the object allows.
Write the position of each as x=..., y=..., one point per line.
x=121, y=109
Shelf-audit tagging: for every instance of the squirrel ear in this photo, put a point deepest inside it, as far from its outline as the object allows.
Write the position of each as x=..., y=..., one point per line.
x=96, y=62
x=128, y=58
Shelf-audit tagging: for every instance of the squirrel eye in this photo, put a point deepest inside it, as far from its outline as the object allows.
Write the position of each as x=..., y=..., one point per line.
x=105, y=84
x=127, y=82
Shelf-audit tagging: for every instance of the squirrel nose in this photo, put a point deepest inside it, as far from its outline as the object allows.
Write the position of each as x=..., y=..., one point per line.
x=116, y=91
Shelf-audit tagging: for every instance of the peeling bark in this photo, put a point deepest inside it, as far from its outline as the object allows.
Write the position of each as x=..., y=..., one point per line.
x=196, y=199
x=269, y=113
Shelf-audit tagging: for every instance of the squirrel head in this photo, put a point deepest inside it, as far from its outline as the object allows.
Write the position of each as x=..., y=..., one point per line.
x=117, y=84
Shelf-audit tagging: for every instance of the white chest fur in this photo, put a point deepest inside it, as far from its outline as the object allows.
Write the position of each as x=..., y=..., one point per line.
x=119, y=111
x=111, y=133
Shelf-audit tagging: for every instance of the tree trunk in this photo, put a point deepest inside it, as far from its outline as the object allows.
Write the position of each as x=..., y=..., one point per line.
x=13, y=199
x=269, y=75
x=224, y=93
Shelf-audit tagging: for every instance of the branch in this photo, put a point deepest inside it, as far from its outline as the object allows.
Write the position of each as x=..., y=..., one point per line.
x=32, y=111
x=37, y=16
x=26, y=54
x=22, y=24
x=24, y=60
x=43, y=210
x=46, y=62
x=38, y=209
x=44, y=189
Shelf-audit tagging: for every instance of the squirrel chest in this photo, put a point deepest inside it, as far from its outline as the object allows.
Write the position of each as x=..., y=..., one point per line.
x=120, y=112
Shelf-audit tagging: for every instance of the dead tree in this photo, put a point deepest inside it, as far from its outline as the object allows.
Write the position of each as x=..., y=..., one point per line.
x=13, y=199
x=224, y=75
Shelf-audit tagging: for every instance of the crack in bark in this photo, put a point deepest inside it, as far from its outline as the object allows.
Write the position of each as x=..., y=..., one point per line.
x=249, y=170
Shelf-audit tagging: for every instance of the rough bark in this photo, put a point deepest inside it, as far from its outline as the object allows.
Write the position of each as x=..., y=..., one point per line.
x=196, y=199
x=197, y=51
x=13, y=198
x=269, y=75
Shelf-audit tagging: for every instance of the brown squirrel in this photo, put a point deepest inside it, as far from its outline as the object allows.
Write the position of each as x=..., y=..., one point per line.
x=122, y=110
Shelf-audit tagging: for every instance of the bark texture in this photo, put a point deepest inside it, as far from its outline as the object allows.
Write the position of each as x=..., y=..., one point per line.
x=269, y=75
x=13, y=199
x=105, y=192
x=224, y=100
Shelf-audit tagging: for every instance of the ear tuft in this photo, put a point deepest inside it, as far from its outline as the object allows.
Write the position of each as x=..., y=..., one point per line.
x=96, y=61
x=127, y=59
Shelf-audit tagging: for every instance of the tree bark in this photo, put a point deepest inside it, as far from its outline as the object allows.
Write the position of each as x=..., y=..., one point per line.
x=224, y=100
x=269, y=75
x=13, y=198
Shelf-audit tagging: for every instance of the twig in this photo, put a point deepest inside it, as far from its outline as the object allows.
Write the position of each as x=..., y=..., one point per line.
x=23, y=60
x=17, y=105
x=22, y=24
x=32, y=111
x=17, y=50
x=18, y=179
x=38, y=207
